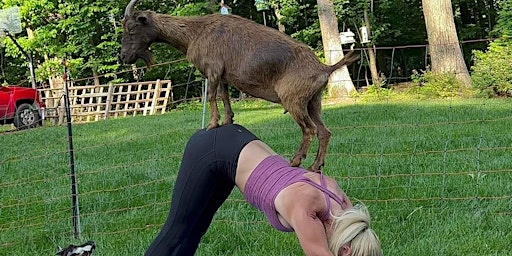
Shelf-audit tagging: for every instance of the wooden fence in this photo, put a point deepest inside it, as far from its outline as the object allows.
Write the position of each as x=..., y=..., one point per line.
x=98, y=102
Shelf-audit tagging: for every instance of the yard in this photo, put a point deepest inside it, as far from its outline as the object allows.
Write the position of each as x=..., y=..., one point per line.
x=436, y=176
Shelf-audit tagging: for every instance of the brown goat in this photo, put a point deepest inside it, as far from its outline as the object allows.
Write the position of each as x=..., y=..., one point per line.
x=256, y=59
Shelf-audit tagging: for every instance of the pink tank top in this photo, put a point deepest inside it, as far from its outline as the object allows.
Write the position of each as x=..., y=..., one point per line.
x=271, y=176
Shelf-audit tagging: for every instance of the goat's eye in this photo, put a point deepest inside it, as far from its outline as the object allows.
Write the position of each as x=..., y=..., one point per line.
x=131, y=29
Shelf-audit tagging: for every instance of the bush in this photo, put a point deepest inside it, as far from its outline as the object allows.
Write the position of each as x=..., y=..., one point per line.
x=433, y=85
x=375, y=92
x=492, y=72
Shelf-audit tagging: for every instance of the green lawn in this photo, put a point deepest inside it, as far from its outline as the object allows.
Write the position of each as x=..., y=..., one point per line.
x=436, y=176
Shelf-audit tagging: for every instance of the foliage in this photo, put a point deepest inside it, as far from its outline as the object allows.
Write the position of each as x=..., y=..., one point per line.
x=376, y=93
x=190, y=9
x=311, y=34
x=503, y=27
x=190, y=106
x=474, y=19
x=433, y=85
x=54, y=66
x=492, y=72
x=81, y=32
x=399, y=23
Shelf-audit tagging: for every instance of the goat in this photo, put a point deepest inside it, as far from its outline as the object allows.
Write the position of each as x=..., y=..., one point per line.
x=86, y=249
x=258, y=60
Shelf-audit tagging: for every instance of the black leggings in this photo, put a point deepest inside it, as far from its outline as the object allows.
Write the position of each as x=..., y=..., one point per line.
x=205, y=179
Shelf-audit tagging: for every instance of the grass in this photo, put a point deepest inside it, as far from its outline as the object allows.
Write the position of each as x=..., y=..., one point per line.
x=436, y=176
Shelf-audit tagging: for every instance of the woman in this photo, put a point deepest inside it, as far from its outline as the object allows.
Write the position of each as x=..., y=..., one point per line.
x=216, y=160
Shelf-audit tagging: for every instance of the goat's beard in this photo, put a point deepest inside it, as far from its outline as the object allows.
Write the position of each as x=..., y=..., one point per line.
x=147, y=56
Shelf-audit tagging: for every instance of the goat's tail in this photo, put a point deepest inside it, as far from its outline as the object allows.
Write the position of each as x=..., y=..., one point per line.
x=346, y=60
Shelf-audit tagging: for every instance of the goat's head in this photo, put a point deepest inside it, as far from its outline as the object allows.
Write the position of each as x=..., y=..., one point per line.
x=138, y=34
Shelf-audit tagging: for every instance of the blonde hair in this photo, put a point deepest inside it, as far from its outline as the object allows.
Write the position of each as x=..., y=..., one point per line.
x=352, y=228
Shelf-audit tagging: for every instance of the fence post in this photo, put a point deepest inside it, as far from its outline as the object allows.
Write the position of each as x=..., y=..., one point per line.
x=109, y=100
x=74, y=187
x=391, y=68
x=205, y=93
x=168, y=93
x=156, y=96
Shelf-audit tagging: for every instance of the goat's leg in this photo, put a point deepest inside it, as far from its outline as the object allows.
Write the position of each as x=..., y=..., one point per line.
x=213, y=84
x=228, y=112
x=323, y=133
x=301, y=116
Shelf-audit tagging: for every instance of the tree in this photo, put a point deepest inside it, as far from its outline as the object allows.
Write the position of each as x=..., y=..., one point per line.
x=504, y=27
x=340, y=82
x=371, y=54
x=445, y=53
x=85, y=33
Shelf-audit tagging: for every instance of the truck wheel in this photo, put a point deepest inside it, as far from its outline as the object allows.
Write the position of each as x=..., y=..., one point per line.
x=26, y=116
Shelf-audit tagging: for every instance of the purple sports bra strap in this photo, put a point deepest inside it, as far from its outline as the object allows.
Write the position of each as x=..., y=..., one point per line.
x=328, y=194
x=327, y=199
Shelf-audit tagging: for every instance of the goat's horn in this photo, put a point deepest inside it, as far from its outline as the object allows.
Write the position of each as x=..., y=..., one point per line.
x=129, y=8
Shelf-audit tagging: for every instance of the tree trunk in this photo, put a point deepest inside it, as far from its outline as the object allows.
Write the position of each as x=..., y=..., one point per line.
x=445, y=53
x=96, y=77
x=340, y=83
x=492, y=14
x=371, y=53
x=277, y=12
x=57, y=85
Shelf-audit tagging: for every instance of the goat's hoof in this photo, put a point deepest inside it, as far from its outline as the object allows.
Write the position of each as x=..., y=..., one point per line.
x=316, y=168
x=212, y=126
x=227, y=122
x=295, y=162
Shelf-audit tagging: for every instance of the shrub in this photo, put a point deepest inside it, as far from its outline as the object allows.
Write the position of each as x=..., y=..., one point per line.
x=375, y=92
x=492, y=71
x=432, y=85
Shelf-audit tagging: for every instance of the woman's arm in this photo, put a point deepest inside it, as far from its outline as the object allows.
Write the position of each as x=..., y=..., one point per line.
x=310, y=231
x=300, y=205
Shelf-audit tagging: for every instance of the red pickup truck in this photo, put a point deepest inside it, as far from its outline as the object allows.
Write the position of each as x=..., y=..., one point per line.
x=21, y=106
